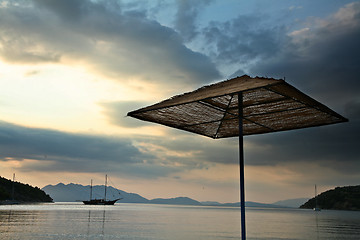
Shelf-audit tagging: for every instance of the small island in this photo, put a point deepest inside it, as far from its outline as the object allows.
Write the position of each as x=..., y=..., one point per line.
x=340, y=198
x=16, y=192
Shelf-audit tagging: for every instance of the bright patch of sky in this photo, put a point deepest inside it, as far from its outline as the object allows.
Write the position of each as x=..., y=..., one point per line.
x=38, y=96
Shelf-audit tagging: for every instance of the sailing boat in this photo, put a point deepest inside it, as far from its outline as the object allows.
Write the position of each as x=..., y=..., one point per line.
x=316, y=208
x=12, y=201
x=101, y=201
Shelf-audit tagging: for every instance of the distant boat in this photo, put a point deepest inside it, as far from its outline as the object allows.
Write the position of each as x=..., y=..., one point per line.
x=101, y=201
x=316, y=208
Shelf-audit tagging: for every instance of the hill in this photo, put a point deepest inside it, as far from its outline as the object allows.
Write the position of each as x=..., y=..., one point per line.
x=247, y=204
x=340, y=198
x=22, y=192
x=292, y=203
x=76, y=192
x=175, y=201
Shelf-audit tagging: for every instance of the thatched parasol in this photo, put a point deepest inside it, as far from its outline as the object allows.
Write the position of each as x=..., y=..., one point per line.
x=238, y=107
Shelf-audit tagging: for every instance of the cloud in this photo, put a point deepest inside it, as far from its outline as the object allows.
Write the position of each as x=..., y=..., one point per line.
x=53, y=151
x=193, y=150
x=305, y=53
x=243, y=40
x=36, y=149
x=68, y=10
x=104, y=37
x=352, y=110
x=292, y=8
x=320, y=59
x=329, y=144
x=116, y=113
x=185, y=19
x=323, y=58
x=19, y=142
x=122, y=43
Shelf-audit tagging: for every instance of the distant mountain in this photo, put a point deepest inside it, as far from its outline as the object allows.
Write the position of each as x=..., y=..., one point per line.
x=22, y=192
x=340, y=198
x=176, y=201
x=76, y=192
x=67, y=193
x=292, y=203
x=247, y=204
x=261, y=205
x=252, y=204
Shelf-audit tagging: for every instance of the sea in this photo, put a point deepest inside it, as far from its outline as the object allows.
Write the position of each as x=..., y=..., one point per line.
x=128, y=221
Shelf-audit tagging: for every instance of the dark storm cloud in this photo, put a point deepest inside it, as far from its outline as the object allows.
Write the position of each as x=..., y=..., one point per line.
x=54, y=151
x=352, y=110
x=185, y=19
x=66, y=9
x=322, y=62
x=112, y=41
x=33, y=143
x=243, y=39
x=337, y=143
x=311, y=61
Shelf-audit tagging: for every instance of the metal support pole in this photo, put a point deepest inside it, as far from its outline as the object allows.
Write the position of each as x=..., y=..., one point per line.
x=241, y=165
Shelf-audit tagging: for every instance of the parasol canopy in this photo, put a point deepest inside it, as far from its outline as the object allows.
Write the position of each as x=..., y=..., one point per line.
x=237, y=107
x=269, y=105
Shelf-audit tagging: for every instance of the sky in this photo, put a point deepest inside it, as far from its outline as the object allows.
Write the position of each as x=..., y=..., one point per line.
x=70, y=71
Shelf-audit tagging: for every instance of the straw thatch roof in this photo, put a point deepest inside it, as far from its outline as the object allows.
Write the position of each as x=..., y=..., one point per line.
x=269, y=105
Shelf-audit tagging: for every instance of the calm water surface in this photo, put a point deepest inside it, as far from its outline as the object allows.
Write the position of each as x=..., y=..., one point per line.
x=144, y=221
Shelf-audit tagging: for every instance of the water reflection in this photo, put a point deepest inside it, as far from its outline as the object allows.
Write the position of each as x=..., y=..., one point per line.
x=92, y=223
x=140, y=222
x=342, y=223
x=317, y=225
x=11, y=219
x=48, y=223
x=103, y=225
x=5, y=220
x=303, y=224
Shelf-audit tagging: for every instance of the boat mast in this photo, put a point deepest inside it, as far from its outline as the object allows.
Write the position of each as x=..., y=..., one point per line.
x=91, y=189
x=105, y=186
x=13, y=188
x=315, y=197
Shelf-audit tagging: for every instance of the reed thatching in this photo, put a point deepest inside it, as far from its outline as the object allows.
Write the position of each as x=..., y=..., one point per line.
x=269, y=105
